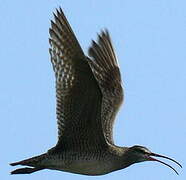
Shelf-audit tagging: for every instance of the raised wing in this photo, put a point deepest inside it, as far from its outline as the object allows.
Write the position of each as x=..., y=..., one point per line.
x=78, y=94
x=106, y=71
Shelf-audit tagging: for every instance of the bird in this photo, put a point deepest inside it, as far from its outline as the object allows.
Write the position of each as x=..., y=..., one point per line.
x=89, y=93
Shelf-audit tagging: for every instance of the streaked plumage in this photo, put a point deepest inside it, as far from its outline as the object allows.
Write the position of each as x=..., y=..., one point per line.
x=89, y=94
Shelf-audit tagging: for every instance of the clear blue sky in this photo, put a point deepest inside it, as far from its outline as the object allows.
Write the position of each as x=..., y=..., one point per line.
x=149, y=37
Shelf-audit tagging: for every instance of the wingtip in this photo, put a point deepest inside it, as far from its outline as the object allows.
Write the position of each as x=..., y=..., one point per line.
x=104, y=31
x=60, y=9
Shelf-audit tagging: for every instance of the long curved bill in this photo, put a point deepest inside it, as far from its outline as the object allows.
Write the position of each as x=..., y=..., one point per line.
x=158, y=155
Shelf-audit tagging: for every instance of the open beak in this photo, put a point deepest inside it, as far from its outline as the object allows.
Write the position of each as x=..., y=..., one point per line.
x=158, y=155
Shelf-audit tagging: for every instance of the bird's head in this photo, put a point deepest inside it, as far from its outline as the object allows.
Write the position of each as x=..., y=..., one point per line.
x=137, y=154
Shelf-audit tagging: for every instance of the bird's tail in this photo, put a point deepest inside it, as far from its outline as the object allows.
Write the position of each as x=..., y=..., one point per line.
x=26, y=170
x=34, y=162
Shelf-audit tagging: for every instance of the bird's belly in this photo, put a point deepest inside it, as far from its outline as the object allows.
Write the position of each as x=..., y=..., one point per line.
x=90, y=167
x=86, y=167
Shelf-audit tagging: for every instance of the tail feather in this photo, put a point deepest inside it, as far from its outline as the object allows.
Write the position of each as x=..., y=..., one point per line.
x=34, y=162
x=30, y=161
x=25, y=170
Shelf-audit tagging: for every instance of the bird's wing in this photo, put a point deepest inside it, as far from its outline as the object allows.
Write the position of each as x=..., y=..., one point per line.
x=106, y=71
x=78, y=94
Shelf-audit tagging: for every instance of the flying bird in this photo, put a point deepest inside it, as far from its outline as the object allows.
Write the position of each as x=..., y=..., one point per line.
x=89, y=93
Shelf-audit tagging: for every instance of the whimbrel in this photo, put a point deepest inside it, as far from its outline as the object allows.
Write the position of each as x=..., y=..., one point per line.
x=89, y=94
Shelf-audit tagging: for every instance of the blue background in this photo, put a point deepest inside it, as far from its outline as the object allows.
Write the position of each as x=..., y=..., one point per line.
x=149, y=37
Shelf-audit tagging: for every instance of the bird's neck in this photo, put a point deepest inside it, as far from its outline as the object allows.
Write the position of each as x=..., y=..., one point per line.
x=122, y=156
